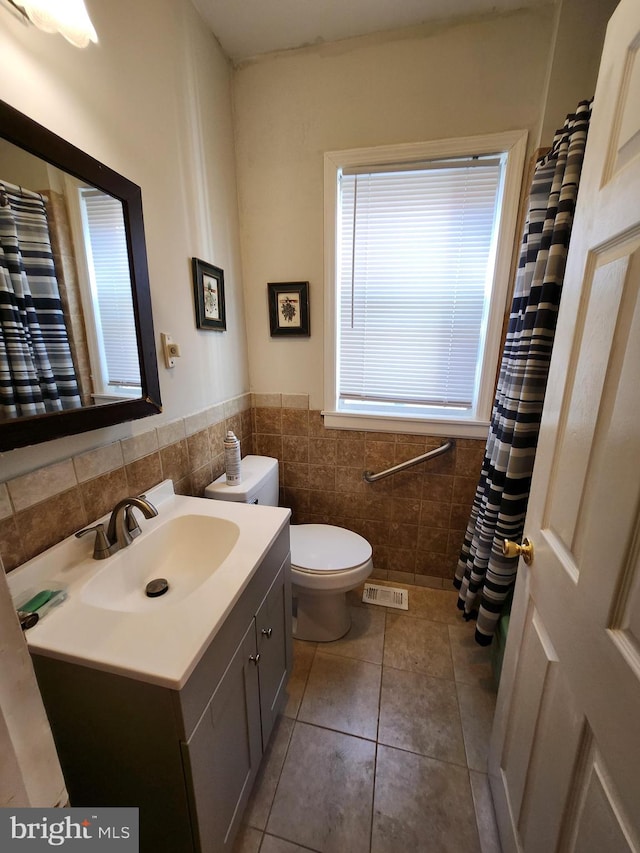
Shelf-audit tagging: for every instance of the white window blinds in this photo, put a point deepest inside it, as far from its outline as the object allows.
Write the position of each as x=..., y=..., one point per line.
x=416, y=255
x=106, y=245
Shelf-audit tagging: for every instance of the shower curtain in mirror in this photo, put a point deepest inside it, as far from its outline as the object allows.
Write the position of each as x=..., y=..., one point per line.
x=483, y=575
x=36, y=369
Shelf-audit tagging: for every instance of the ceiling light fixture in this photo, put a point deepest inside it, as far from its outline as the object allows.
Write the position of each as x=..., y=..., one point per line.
x=67, y=17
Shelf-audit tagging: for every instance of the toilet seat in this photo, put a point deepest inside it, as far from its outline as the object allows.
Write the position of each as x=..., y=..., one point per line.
x=326, y=559
x=327, y=549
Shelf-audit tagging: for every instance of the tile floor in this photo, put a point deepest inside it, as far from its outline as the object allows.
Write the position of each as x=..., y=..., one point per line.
x=382, y=747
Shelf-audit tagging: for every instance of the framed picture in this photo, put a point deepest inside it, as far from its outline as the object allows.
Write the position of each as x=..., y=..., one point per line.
x=208, y=288
x=289, y=308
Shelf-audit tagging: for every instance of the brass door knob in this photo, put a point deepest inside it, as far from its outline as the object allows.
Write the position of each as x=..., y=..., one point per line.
x=512, y=549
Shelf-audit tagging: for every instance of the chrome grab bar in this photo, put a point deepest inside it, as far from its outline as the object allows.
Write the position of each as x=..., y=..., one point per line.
x=402, y=466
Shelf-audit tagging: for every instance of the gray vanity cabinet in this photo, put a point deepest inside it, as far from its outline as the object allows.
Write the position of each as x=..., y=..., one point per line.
x=187, y=758
x=222, y=753
x=273, y=632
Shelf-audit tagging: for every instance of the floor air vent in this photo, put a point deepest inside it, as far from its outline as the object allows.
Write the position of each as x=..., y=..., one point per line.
x=387, y=596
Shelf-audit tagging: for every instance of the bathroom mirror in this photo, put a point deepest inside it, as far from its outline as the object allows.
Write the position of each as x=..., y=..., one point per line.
x=77, y=349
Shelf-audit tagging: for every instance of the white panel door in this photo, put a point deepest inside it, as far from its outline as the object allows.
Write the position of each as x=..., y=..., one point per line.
x=565, y=750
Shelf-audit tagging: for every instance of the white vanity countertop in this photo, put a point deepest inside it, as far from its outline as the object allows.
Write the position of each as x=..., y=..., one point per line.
x=158, y=645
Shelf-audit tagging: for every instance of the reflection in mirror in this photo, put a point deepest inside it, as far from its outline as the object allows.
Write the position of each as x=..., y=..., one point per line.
x=67, y=328
x=76, y=334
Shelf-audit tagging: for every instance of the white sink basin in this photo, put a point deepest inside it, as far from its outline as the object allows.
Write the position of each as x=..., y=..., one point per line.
x=185, y=551
x=208, y=551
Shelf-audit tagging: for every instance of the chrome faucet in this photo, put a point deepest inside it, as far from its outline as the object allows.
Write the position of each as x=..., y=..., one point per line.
x=122, y=529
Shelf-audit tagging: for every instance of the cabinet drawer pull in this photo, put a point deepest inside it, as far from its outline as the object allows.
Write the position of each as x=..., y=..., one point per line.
x=255, y=658
x=267, y=632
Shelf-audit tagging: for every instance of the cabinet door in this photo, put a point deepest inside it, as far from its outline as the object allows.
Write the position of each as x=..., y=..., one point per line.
x=273, y=631
x=223, y=754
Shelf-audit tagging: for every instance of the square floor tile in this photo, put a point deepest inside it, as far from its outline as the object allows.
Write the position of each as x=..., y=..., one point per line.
x=248, y=840
x=271, y=844
x=342, y=694
x=303, y=654
x=264, y=787
x=420, y=714
x=325, y=792
x=477, y=709
x=417, y=645
x=365, y=639
x=471, y=661
x=421, y=806
x=437, y=605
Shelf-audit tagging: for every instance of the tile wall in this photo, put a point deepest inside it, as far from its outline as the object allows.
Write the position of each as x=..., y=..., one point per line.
x=415, y=520
x=40, y=509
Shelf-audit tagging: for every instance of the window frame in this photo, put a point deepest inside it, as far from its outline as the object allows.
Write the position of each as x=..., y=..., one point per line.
x=473, y=423
x=101, y=391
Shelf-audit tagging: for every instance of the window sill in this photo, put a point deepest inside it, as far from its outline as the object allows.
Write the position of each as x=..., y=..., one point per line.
x=450, y=427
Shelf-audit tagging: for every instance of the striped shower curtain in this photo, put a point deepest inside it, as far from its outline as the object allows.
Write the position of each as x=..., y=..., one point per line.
x=483, y=575
x=36, y=369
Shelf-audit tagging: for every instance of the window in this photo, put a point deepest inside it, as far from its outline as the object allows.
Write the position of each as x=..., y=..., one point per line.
x=418, y=255
x=105, y=289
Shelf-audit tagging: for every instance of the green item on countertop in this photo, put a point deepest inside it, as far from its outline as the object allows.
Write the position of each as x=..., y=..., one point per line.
x=39, y=600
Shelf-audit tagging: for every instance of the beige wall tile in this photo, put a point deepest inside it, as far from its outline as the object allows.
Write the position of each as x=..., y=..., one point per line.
x=100, y=495
x=199, y=449
x=295, y=422
x=33, y=488
x=237, y=405
x=269, y=445
x=139, y=445
x=268, y=421
x=234, y=423
x=171, y=432
x=215, y=414
x=295, y=401
x=322, y=451
x=267, y=401
x=175, y=461
x=295, y=448
x=200, y=479
x=50, y=522
x=144, y=473
x=11, y=551
x=196, y=422
x=5, y=502
x=99, y=461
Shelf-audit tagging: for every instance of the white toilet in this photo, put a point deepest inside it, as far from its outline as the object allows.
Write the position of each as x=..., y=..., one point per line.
x=326, y=561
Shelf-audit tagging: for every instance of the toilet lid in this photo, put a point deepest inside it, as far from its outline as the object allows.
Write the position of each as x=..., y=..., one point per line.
x=323, y=547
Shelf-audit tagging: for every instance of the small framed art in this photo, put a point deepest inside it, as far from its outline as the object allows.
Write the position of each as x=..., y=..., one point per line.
x=289, y=308
x=208, y=288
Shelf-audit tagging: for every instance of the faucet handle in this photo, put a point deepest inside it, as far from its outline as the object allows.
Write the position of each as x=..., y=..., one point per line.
x=132, y=522
x=102, y=548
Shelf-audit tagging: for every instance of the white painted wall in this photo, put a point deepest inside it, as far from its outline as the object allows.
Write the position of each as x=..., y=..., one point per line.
x=152, y=101
x=482, y=76
x=573, y=71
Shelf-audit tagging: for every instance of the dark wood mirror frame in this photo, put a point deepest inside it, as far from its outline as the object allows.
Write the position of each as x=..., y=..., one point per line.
x=36, y=139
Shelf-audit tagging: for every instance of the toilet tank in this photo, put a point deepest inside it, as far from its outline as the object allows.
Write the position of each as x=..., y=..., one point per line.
x=259, y=483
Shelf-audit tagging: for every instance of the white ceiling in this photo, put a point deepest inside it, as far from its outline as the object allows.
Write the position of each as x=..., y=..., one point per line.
x=247, y=28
